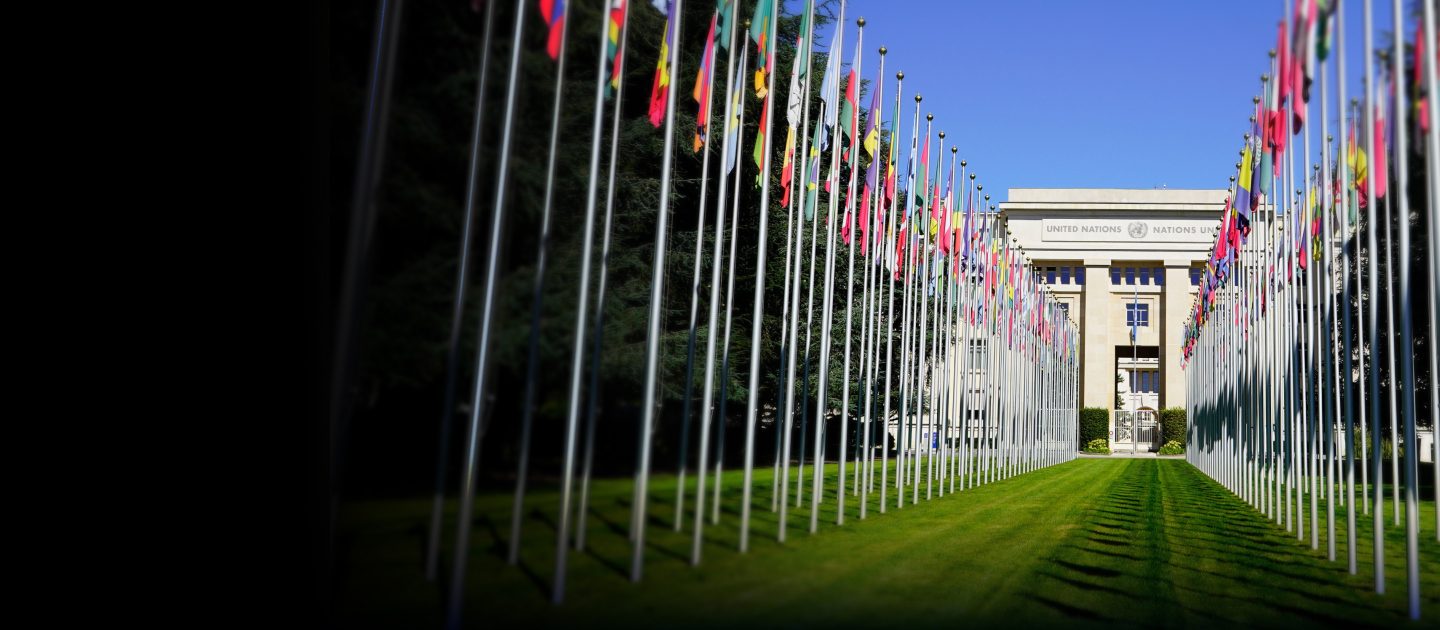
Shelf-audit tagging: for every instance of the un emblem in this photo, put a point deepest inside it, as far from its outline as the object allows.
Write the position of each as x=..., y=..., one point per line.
x=1138, y=229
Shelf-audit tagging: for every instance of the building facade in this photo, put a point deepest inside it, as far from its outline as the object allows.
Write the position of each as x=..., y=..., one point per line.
x=1121, y=260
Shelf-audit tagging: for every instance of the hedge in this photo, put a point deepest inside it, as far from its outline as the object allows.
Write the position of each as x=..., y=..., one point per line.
x=1094, y=425
x=1172, y=425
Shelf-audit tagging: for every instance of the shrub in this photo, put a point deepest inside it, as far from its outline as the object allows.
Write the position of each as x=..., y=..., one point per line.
x=1172, y=448
x=1172, y=426
x=1101, y=445
x=1094, y=424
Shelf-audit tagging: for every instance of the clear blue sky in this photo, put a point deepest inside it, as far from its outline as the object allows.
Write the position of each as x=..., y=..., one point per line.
x=1096, y=94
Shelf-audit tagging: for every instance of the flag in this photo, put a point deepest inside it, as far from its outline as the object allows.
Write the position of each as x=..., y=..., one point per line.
x=890, y=170
x=872, y=171
x=828, y=90
x=732, y=126
x=612, y=47
x=797, y=75
x=917, y=188
x=1324, y=28
x=724, y=15
x=1302, y=54
x=1419, y=100
x=760, y=28
x=553, y=11
x=847, y=112
x=1355, y=159
x=1276, y=122
x=1243, y=183
x=660, y=91
x=787, y=171
x=813, y=181
x=1381, y=162
x=759, y=153
x=703, y=84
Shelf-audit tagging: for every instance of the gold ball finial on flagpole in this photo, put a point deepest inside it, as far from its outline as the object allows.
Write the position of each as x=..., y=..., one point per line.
x=900, y=76
x=1255, y=100
x=1264, y=78
x=928, y=117
x=962, y=163
x=979, y=186
x=942, y=134
x=1354, y=102
x=1272, y=53
x=747, y=23
x=860, y=22
x=917, y=98
x=882, y=50
x=1329, y=138
x=972, y=175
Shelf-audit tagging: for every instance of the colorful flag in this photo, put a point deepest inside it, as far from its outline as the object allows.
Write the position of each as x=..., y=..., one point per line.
x=612, y=47
x=1302, y=54
x=829, y=90
x=1242, y=194
x=660, y=91
x=1355, y=159
x=760, y=29
x=847, y=113
x=553, y=11
x=724, y=15
x=1381, y=157
x=732, y=126
x=703, y=84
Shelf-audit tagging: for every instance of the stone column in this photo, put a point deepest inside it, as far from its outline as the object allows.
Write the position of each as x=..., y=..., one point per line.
x=1097, y=352
x=1176, y=307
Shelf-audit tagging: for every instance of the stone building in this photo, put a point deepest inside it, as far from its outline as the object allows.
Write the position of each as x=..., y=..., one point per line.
x=1117, y=258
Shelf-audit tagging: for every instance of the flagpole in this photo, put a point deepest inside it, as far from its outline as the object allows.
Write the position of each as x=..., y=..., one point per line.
x=739, y=114
x=1407, y=362
x=799, y=160
x=855, y=143
x=467, y=234
x=1377, y=528
x=463, y=524
x=1349, y=413
x=822, y=387
x=708, y=395
x=577, y=365
x=889, y=252
x=537, y=303
x=592, y=409
x=756, y=319
x=695, y=292
x=1433, y=171
x=641, y=499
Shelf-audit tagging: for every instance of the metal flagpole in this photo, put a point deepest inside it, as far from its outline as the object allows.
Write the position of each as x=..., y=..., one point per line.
x=1349, y=408
x=487, y=316
x=822, y=388
x=592, y=409
x=756, y=320
x=849, y=277
x=354, y=287
x=1407, y=362
x=706, y=405
x=890, y=309
x=799, y=162
x=1327, y=339
x=467, y=233
x=1432, y=163
x=734, y=162
x=695, y=290
x=1373, y=331
x=1390, y=279
x=577, y=365
x=657, y=284
x=537, y=302
x=870, y=313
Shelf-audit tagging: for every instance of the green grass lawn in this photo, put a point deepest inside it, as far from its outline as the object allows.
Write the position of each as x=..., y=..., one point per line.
x=1088, y=543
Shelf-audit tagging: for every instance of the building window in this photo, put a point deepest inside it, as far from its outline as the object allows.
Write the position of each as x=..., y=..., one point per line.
x=1159, y=276
x=1079, y=275
x=1049, y=275
x=1129, y=276
x=1137, y=315
x=1194, y=277
x=1064, y=275
x=1145, y=275
x=1114, y=275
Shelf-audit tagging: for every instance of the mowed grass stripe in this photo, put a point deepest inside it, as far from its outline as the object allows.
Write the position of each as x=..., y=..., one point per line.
x=1083, y=544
